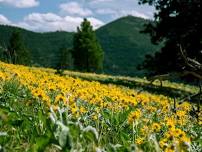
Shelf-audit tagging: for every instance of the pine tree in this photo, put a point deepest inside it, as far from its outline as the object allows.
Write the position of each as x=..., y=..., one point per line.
x=87, y=52
x=65, y=60
x=18, y=53
x=3, y=54
x=176, y=22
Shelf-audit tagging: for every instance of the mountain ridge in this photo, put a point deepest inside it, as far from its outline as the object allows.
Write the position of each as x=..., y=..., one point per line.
x=124, y=45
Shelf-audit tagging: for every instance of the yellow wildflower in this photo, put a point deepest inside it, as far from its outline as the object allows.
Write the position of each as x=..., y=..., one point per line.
x=134, y=116
x=139, y=141
x=156, y=127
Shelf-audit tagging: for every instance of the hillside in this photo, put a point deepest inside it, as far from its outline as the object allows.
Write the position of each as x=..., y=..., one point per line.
x=124, y=45
x=44, y=112
x=42, y=45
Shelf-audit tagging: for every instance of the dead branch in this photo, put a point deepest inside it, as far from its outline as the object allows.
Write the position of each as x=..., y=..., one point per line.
x=194, y=65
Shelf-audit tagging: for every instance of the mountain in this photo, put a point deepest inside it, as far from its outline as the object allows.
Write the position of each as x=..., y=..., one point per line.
x=44, y=47
x=124, y=45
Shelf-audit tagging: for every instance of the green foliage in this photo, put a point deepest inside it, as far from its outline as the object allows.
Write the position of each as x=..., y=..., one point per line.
x=2, y=58
x=125, y=46
x=121, y=40
x=41, y=45
x=17, y=52
x=176, y=22
x=23, y=119
x=106, y=133
x=65, y=60
x=87, y=52
x=26, y=124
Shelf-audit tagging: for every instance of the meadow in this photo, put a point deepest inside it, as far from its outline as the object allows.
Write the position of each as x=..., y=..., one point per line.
x=42, y=111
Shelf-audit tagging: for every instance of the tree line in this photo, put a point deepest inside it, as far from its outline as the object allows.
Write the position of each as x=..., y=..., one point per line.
x=86, y=55
x=16, y=51
x=177, y=23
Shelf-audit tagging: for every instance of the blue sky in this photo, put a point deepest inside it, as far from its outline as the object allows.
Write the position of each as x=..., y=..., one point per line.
x=52, y=15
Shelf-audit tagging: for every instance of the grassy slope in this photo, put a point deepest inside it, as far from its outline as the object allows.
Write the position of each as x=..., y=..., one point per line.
x=121, y=40
x=25, y=124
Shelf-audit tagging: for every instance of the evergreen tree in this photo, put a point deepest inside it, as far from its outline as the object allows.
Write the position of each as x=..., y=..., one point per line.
x=17, y=52
x=4, y=54
x=65, y=60
x=1, y=53
x=176, y=22
x=87, y=52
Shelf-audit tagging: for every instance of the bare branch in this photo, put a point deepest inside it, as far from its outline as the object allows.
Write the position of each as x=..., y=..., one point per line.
x=194, y=65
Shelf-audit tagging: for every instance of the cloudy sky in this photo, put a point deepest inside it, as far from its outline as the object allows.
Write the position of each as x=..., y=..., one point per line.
x=52, y=15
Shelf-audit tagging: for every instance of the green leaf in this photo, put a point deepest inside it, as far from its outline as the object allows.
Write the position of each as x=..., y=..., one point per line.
x=65, y=139
x=90, y=133
x=41, y=144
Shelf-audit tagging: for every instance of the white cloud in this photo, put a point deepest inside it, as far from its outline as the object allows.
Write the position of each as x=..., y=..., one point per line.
x=105, y=11
x=52, y=22
x=73, y=8
x=38, y=18
x=130, y=12
x=120, y=13
x=21, y=3
x=99, y=1
x=4, y=20
x=95, y=22
x=113, y=9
